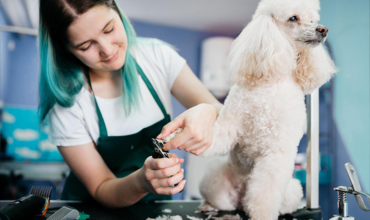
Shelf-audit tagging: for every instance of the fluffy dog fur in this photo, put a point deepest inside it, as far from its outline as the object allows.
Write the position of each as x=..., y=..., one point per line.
x=274, y=62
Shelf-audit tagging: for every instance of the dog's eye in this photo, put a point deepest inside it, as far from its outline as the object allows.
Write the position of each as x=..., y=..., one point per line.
x=294, y=18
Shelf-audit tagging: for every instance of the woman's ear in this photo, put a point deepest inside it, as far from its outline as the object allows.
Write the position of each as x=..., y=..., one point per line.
x=314, y=68
x=260, y=53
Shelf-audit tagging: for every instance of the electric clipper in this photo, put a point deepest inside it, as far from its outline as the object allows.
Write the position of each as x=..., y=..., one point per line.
x=36, y=203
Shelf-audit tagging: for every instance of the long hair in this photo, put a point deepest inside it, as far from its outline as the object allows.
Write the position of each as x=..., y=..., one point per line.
x=61, y=76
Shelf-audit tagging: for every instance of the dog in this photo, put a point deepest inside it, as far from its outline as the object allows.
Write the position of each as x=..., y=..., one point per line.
x=274, y=62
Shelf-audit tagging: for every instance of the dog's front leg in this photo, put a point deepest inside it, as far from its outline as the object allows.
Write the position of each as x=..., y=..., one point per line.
x=224, y=136
x=267, y=184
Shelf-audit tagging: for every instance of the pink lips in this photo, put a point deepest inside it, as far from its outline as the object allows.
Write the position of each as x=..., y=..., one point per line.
x=113, y=58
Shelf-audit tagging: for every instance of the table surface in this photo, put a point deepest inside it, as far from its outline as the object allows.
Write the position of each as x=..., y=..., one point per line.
x=139, y=211
x=36, y=170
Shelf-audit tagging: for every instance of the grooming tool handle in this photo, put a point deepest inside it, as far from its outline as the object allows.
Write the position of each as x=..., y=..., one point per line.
x=355, y=189
x=23, y=208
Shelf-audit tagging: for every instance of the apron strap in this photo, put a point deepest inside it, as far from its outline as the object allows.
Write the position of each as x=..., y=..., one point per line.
x=151, y=89
x=102, y=127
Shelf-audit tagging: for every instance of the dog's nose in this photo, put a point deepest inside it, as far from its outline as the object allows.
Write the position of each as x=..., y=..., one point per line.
x=323, y=30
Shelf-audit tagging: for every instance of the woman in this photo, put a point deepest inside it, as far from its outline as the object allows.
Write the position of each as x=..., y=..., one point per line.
x=107, y=94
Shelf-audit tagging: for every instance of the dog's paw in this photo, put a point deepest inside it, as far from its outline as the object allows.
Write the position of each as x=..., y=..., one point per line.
x=263, y=216
x=292, y=198
x=206, y=207
x=261, y=212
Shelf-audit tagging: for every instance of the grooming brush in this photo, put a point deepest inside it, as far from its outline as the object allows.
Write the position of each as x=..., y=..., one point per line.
x=36, y=203
x=65, y=213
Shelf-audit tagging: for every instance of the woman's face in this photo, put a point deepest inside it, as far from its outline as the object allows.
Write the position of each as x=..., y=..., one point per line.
x=98, y=39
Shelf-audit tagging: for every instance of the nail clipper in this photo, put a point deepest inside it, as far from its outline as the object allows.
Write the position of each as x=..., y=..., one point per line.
x=158, y=144
x=158, y=151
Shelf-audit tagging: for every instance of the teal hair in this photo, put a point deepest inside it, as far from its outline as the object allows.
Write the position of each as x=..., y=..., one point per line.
x=131, y=89
x=61, y=76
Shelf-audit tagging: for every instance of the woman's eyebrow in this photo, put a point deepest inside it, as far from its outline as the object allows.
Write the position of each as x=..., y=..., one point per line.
x=107, y=24
x=78, y=45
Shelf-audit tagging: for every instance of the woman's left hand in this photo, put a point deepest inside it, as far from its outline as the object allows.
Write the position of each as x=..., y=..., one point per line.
x=197, y=124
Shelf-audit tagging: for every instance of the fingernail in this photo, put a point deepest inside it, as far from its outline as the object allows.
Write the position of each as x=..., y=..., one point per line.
x=177, y=160
x=182, y=170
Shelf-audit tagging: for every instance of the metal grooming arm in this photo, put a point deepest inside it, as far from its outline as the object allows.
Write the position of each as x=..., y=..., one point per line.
x=354, y=189
x=312, y=178
x=312, y=209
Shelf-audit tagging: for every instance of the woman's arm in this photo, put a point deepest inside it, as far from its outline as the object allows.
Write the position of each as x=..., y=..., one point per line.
x=190, y=91
x=198, y=120
x=87, y=164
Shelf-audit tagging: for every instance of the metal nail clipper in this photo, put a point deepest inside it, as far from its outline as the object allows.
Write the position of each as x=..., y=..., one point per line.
x=158, y=151
x=158, y=144
x=354, y=189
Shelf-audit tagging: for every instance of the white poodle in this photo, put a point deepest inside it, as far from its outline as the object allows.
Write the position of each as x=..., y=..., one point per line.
x=275, y=61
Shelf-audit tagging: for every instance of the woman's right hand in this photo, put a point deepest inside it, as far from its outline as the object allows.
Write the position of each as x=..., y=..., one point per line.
x=157, y=175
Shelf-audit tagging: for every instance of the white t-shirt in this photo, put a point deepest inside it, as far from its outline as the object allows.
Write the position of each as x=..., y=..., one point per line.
x=79, y=124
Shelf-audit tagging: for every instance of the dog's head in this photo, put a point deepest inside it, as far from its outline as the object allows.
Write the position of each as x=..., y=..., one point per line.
x=283, y=38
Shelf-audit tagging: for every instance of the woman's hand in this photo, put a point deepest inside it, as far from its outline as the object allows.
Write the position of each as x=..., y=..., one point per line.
x=157, y=175
x=197, y=134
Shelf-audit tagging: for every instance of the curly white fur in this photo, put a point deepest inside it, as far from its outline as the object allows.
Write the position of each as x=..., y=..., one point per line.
x=274, y=63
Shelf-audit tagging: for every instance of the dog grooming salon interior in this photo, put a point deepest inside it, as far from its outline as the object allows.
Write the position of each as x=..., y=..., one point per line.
x=213, y=109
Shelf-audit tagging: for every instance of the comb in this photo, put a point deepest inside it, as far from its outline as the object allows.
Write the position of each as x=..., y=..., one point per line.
x=65, y=213
x=45, y=193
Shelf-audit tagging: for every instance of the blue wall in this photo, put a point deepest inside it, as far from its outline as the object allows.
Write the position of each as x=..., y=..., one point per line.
x=22, y=78
x=4, y=37
x=348, y=23
x=19, y=68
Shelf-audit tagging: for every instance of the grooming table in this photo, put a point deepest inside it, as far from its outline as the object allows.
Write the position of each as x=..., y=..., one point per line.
x=139, y=211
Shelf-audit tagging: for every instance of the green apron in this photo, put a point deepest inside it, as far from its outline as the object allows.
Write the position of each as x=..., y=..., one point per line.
x=122, y=154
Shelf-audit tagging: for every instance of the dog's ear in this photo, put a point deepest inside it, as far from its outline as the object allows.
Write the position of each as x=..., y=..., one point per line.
x=314, y=68
x=260, y=53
